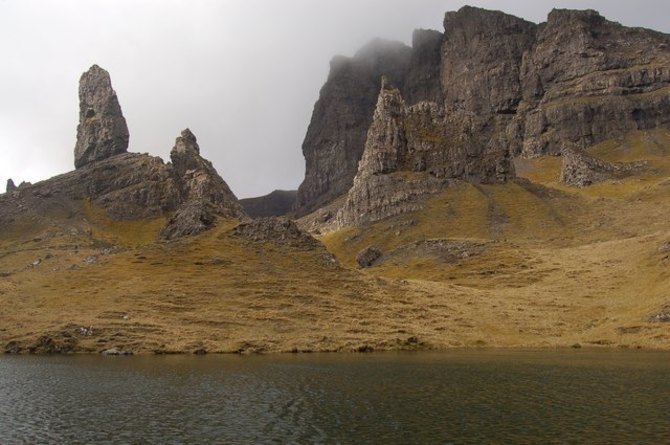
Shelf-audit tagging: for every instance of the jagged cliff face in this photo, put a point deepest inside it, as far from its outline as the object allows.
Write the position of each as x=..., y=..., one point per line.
x=506, y=87
x=409, y=154
x=336, y=135
x=587, y=79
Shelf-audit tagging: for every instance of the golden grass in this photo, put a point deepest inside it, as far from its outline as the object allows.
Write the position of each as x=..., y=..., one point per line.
x=546, y=266
x=123, y=233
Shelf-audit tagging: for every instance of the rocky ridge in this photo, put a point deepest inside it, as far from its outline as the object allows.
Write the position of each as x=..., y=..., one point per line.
x=507, y=87
x=127, y=186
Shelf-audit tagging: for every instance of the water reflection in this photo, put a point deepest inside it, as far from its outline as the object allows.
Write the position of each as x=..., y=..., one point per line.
x=454, y=397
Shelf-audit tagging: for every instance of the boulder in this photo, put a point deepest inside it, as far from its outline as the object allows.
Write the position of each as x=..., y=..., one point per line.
x=116, y=351
x=367, y=256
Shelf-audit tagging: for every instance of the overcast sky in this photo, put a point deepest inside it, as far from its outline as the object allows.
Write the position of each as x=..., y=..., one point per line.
x=243, y=75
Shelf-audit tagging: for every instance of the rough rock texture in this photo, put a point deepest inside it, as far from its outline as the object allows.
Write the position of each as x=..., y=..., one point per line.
x=336, y=134
x=10, y=186
x=102, y=130
x=409, y=154
x=203, y=194
x=481, y=57
x=367, y=256
x=276, y=230
x=277, y=203
x=580, y=169
x=587, y=79
x=507, y=87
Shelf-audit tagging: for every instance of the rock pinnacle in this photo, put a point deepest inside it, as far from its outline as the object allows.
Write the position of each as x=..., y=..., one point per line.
x=102, y=131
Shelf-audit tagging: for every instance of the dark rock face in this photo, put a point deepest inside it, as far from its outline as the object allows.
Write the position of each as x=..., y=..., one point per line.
x=422, y=81
x=102, y=130
x=506, y=87
x=277, y=203
x=580, y=169
x=367, y=256
x=481, y=58
x=336, y=134
x=10, y=186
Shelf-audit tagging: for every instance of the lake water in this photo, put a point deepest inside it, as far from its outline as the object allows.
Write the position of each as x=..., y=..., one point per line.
x=459, y=397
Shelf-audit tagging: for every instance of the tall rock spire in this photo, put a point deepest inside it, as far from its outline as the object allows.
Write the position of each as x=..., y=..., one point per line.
x=102, y=131
x=10, y=185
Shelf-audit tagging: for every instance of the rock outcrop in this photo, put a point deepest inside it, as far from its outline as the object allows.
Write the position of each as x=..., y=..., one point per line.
x=410, y=152
x=336, y=134
x=127, y=186
x=580, y=169
x=203, y=194
x=10, y=186
x=276, y=230
x=102, y=130
x=507, y=87
x=276, y=203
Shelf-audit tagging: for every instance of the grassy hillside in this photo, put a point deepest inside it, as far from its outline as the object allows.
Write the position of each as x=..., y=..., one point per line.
x=529, y=263
x=535, y=262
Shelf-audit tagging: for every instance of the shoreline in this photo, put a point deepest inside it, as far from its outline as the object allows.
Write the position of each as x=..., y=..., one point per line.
x=364, y=350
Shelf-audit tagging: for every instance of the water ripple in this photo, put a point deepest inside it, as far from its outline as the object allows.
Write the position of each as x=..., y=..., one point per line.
x=449, y=398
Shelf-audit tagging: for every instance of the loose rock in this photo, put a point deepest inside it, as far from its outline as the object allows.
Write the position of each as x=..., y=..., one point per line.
x=368, y=256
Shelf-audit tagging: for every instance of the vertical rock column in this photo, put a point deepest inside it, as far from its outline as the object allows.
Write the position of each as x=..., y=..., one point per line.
x=102, y=131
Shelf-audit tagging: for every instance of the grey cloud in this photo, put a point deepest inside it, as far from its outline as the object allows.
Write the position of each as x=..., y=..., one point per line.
x=243, y=75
